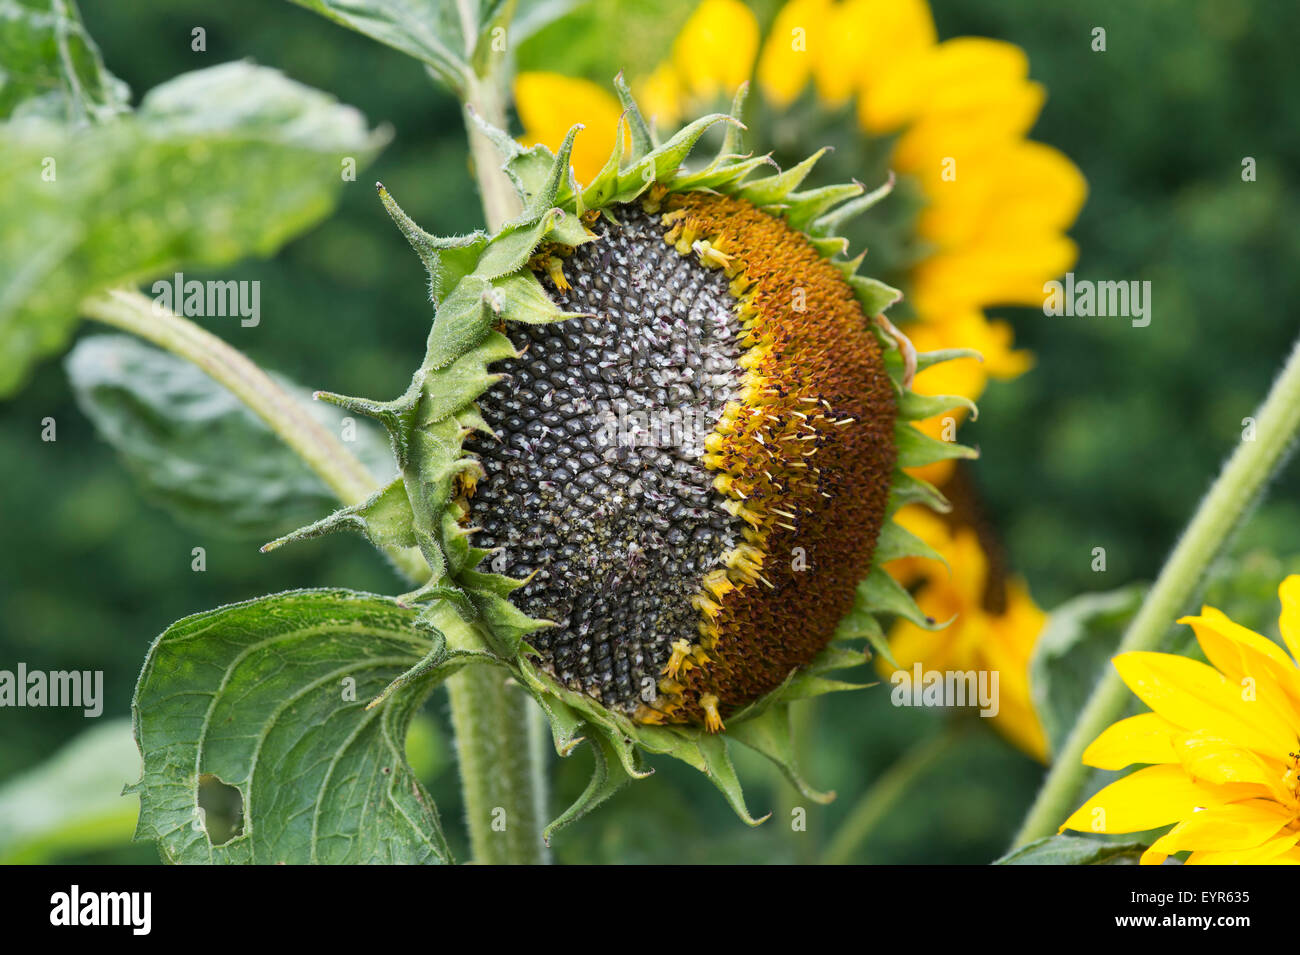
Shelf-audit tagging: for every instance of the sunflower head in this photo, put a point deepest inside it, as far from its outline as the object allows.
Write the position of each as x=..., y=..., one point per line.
x=655, y=445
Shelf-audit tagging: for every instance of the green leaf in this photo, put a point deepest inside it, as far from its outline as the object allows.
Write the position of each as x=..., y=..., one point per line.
x=1074, y=850
x=216, y=165
x=260, y=695
x=197, y=449
x=449, y=36
x=1074, y=650
x=73, y=801
x=50, y=66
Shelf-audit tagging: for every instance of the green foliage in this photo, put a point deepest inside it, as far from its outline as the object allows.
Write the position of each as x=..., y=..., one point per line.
x=72, y=801
x=215, y=165
x=429, y=30
x=455, y=40
x=197, y=449
x=49, y=65
x=269, y=696
x=1075, y=850
x=1073, y=652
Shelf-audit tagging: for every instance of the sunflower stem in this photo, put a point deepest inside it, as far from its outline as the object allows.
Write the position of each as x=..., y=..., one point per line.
x=502, y=767
x=885, y=794
x=347, y=477
x=495, y=747
x=496, y=191
x=1221, y=511
x=133, y=312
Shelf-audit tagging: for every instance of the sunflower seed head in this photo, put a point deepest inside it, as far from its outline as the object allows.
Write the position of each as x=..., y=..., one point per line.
x=596, y=485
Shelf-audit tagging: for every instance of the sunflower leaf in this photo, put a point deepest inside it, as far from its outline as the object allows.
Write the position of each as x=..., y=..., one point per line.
x=178, y=432
x=49, y=66
x=215, y=165
x=73, y=800
x=1074, y=850
x=269, y=697
x=1073, y=652
x=429, y=30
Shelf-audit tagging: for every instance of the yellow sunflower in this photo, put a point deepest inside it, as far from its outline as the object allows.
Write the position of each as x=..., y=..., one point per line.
x=958, y=111
x=1221, y=747
x=979, y=637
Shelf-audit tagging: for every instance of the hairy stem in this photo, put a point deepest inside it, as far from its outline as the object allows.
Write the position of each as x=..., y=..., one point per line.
x=502, y=769
x=136, y=313
x=1222, y=510
x=886, y=793
x=320, y=450
x=495, y=750
x=485, y=98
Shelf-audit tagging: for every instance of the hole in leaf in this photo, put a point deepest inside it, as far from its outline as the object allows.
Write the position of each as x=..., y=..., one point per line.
x=221, y=807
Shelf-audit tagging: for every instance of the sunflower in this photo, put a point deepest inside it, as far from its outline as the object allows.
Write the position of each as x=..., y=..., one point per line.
x=1221, y=747
x=951, y=117
x=995, y=623
x=654, y=447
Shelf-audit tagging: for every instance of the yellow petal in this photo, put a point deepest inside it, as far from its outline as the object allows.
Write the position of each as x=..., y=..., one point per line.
x=955, y=591
x=966, y=329
x=1242, y=655
x=1211, y=759
x=933, y=530
x=1289, y=622
x=661, y=97
x=942, y=142
x=1223, y=640
x=956, y=77
x=1008, y=647
x=1198, y=697
x=714, y=52
x=786, y=62
x=1147, y=799
x=1017, y=721
x=1271, y=852
x=1146, y=738
x=1002, y=271
x=867, y=40
x=938, y=473
x=549, y=104
x=1235, y=827
x=1018, y=188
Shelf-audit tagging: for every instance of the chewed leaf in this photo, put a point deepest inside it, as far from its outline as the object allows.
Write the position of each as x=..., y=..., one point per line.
x=269, y=697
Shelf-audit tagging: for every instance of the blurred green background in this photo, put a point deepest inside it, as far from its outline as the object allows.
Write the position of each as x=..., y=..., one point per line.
x=1109, y=441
